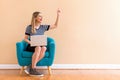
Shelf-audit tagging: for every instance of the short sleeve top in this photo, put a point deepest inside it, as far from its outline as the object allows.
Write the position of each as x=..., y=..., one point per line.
x=39, y=31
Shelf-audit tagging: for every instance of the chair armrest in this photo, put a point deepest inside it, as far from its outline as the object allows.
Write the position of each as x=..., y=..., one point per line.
x=19, y=49
x=52, y=49
x=20, y=46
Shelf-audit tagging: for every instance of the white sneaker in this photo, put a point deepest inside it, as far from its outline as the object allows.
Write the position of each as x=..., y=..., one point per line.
x=27, y=70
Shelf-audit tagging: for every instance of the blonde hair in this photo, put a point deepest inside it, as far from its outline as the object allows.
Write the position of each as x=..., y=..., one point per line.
x=34, y=15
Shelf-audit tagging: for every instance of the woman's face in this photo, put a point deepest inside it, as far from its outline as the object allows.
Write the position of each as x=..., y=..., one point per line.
x=39, y=18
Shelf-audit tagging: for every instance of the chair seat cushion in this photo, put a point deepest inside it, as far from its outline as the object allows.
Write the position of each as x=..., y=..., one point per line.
x=27, y=54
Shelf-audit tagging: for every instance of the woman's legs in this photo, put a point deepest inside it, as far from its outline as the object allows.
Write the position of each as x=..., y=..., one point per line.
x=38, y=55
x=35, y=56
x=42, y=53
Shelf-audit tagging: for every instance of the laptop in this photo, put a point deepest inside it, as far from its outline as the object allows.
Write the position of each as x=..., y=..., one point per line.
x=38, y=40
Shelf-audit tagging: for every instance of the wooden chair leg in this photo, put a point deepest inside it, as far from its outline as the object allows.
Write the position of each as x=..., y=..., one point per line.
x=49, y=70
x=21, y=70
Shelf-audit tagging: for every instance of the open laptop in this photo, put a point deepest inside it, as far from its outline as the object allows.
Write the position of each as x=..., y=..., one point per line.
x=38, y=40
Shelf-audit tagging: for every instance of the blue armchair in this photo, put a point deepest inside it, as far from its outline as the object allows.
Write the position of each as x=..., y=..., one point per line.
x=25, y=57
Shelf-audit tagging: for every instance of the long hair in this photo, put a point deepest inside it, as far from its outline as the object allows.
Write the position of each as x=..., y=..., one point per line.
x=34, y=15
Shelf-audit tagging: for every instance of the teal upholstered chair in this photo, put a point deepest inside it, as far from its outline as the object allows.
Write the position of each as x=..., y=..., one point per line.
x=25, y=57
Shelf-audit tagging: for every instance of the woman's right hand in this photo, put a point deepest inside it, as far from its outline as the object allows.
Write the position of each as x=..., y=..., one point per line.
x=29, y=42
x=26, y=39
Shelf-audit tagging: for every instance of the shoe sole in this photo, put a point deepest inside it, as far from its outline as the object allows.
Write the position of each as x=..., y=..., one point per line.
x=36, y=75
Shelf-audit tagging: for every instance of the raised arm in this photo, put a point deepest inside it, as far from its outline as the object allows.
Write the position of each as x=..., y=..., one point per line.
x=56, y=22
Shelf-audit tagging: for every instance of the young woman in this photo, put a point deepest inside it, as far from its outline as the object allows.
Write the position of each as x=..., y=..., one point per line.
x=36, y=28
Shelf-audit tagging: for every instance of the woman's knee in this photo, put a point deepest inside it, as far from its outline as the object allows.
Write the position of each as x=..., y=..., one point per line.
x=43, y=48
x=37, y=49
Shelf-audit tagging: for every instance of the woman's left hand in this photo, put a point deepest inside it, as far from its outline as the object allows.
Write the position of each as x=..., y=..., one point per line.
x=58, y=12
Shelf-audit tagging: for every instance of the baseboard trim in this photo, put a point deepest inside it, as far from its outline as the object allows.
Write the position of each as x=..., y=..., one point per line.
x=67, y=66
